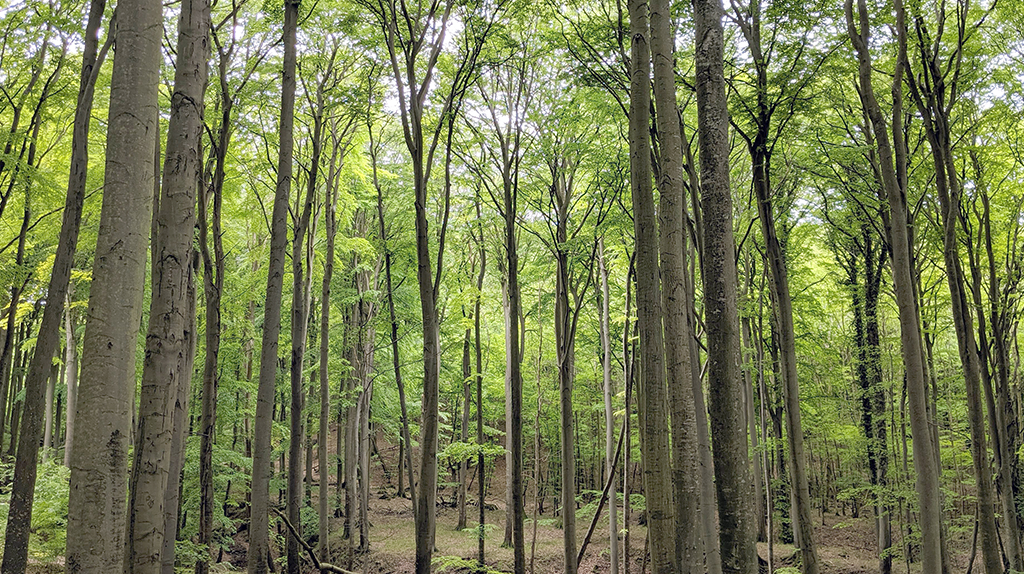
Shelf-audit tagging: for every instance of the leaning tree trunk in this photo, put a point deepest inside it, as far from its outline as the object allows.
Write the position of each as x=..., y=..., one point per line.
x=259, y=547
x=926, y=465
x=738, y=530
x=38, y=379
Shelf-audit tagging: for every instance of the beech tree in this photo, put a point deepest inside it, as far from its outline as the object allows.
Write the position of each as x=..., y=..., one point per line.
x=96, y=509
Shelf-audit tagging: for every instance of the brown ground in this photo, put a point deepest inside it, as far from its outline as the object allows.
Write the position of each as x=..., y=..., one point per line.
x=846, y=545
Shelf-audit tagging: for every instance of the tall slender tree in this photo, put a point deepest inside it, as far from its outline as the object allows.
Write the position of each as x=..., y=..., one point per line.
x=259, y=545
x=654, y=422
x=738, y=531
x=676, y=296
x=96, y=508
x=892, y=164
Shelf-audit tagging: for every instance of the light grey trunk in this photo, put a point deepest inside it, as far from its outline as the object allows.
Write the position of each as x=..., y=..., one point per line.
x=676, y=297
x=168, y=339
x=71, y=378
x=96, y=507
x=609, y=412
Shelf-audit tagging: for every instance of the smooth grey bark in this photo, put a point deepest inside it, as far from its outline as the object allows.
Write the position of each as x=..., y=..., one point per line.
x=609, y=412
x=676, y=297
x=479, y=240
x=183, y=392
x=565, y=350
x=259, y=547
x=737, y=531
x=331, y=224
x=70, y=376
x=652, y=392
x=51, y=383
x=168, y=336
x=924, y=450
x=467, y=373
x=96, y=508
x=303, y=225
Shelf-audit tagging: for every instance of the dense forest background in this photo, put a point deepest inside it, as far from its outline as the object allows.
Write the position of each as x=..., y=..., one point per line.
x=497, y=285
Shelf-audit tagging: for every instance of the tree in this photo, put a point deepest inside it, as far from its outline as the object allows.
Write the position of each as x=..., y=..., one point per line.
x=23, y=488
x=891, y=160
x=935, y=106
x=169, y=336
x=96, y=509
x=676, y=296
x=725, y=380
x=259, y=549
x=654, y=423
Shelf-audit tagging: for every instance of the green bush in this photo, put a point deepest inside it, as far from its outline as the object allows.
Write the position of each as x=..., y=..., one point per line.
x=49, y=511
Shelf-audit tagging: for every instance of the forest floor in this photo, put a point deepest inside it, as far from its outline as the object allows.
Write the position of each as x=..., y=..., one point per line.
x=846, y=545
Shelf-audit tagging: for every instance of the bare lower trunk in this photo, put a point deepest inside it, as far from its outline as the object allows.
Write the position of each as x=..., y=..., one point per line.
x=259, y=547
x=652, y=392
x=169, y=337
x=925, y=463
x=738, y=533
x=609, y=413
x=70, y=378
x=96, y=508
x=172, y=494
x=676, y=298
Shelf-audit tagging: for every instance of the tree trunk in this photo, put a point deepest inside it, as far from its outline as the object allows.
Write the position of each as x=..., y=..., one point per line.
x=168, y=337
x=213, y=289
x=925, y=463
x=676, y=298
x=51, y=383
x=654, y=426
x=299, y=327
x=738, y=533
x=479, y=389
x=331, y=224
x=564, y=344
x=70, y=378
x=183, y=392
x=259, y=548
x=467, y=373
x=609, y=411
x=96, y=509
